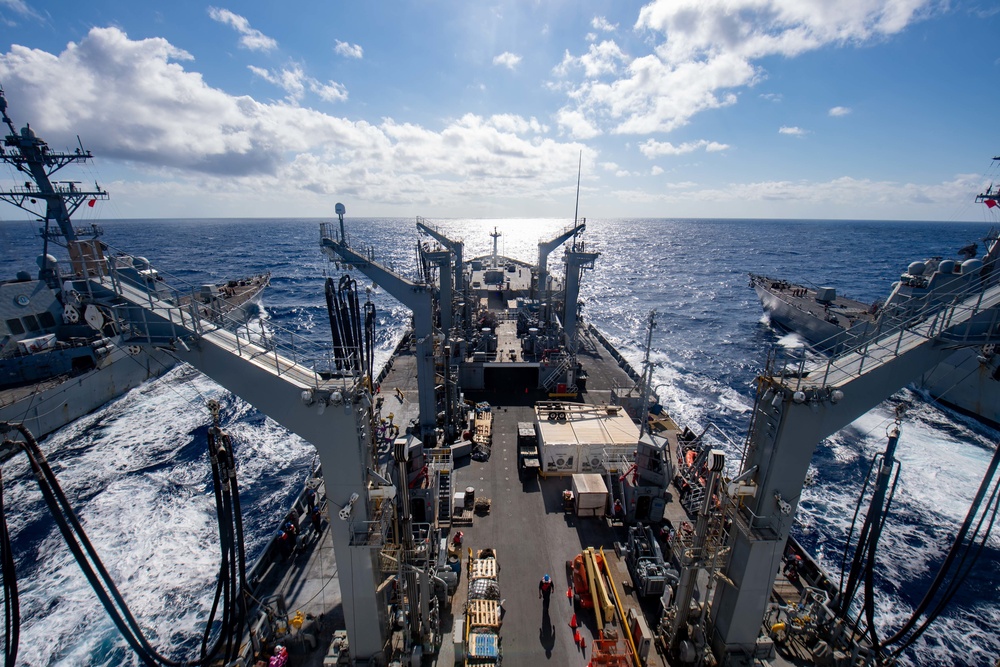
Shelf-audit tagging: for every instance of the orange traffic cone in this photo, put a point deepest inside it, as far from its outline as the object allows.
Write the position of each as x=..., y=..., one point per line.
x=576, y=637
x=583, y=642
x=569, y=593
x=572, y=622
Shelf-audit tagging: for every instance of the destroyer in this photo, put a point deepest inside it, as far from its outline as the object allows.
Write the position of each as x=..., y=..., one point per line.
x=61, y=354
x=968, y=380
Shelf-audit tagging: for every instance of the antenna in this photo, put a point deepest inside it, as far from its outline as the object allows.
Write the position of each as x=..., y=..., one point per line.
x=579, y=168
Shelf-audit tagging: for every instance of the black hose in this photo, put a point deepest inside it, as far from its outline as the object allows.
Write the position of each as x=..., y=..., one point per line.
x=962, y=572
x=12, y=607
x=953, y=553
x=847, y=594
x=100, y=580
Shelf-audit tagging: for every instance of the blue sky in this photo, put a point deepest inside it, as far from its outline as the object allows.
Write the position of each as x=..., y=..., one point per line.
x=452, y=108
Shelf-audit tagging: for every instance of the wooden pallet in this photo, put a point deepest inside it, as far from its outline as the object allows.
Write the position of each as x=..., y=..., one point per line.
x=483, y=568
x=483, y=613
x=462, y=517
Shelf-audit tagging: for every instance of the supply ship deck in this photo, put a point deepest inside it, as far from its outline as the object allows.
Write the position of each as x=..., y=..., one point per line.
x=528, y=524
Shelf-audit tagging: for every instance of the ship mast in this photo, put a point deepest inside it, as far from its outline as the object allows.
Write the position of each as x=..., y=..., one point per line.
x=32, y=156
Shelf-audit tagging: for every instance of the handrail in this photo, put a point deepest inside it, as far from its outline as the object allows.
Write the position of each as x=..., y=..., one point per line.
x=946, y=316
x=190, y=317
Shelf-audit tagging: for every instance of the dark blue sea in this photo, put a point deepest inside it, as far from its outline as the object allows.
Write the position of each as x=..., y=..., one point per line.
x=138, y=473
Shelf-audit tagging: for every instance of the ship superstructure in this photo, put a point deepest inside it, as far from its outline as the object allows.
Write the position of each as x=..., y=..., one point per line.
x=61, y=354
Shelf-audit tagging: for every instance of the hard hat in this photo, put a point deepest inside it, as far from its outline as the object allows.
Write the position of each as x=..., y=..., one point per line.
x=546, y=578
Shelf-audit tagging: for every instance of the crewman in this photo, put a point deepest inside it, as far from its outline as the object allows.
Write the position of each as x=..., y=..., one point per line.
x=545, y=587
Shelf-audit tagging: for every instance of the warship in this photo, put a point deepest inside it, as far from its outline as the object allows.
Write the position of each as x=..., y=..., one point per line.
x=968, y=380
x=506, y=448
x=61, y=355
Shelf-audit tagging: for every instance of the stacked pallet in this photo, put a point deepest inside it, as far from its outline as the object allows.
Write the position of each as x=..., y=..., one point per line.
x=482, y=610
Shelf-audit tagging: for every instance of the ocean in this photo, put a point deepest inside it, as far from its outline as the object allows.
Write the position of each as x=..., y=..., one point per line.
x=137, y=469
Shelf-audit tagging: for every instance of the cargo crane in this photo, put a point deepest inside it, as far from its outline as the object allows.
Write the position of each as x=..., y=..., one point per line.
x=415, y=296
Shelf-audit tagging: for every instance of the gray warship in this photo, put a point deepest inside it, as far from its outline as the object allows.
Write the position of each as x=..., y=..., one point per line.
x=61, y=355
x=505, y=439
x=968, y=380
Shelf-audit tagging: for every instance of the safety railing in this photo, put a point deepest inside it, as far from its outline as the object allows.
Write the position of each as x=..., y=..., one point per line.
x=965, y=317
x=162, y=298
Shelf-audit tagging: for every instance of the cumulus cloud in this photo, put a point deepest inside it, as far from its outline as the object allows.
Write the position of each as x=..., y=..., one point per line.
x=348, y=50
x=576, y=124
x=792, y=131
x=507, y=59
x=656, y=170
x=250, y=38
x=601, y=23
x=600, y=59
x=653, y=148
x=839, y=111
x=295, y=82
x=704, y=51
x=133, y=101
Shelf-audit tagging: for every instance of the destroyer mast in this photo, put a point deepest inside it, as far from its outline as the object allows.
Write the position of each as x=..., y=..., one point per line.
x=33, y=157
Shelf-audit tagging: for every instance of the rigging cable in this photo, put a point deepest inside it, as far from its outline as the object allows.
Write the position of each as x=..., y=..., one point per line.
x=98, y=576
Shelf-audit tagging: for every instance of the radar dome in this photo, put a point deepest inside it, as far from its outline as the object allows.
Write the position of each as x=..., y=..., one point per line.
x=947, y=266
x=916, y=268
x=41, y=261
x=140, y=262
x=339, y=209
x=971, y=265
x=23, y=276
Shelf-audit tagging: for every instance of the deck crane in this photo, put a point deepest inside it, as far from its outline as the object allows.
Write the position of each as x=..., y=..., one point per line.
x=456, y=247
x=335, y=415
x=799, y=405
x=451, y=269
x=415, y=296
x=545, y=248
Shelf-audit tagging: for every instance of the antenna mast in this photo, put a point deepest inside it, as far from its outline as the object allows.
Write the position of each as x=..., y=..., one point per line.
x=579, y=168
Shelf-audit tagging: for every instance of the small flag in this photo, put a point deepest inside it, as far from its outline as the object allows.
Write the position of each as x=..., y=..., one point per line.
x=91, y=203
x=990, y=203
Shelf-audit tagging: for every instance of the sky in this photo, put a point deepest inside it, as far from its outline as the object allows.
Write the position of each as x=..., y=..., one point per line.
x=839, y=109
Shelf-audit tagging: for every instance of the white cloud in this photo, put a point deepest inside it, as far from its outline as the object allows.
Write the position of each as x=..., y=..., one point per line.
x=609, y=166
x=19, y=7
x=600, y=59
x=168, y=121
x=250, y=38
x=601, y=23
x=295, y=83
x=653, y=148
x=705, y=50
x=656, y=170
x=792, y=131
x=331, y=91
x=576, y=124
x=348, y=50
x=507, y=59
x=839, y=111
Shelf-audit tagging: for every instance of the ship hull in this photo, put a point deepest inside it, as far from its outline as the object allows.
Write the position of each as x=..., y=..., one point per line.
x=52, y=404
